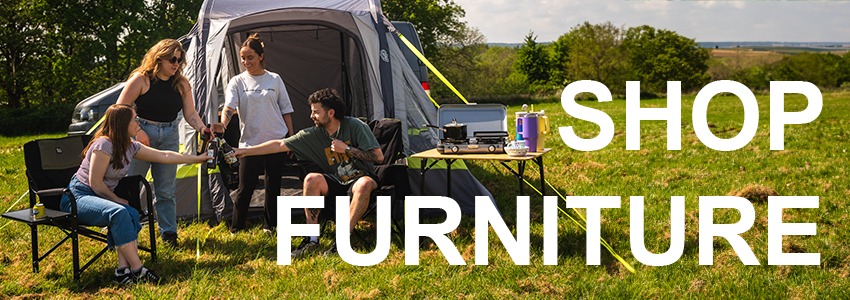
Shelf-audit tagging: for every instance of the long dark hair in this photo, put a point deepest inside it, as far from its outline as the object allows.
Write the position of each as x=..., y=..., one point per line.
x=255, y=43
x=115, y=124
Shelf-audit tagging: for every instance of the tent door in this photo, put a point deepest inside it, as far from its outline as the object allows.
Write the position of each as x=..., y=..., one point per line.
x=309, y=58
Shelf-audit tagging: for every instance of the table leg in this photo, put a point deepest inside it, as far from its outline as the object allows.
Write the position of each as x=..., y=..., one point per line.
x=422, y=170
x=521, y=167
x=449, y=163
x=542, y=181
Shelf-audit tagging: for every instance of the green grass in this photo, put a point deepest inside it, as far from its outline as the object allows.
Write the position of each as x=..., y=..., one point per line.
x=813, y=164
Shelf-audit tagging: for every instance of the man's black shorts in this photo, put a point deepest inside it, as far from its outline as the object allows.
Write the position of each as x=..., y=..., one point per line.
x=336, y=189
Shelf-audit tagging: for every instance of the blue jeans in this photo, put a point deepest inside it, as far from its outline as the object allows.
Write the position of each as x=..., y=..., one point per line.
x=123, y=220
x=163, y=136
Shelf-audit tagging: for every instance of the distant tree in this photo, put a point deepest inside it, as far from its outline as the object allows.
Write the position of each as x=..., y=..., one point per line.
x=458, y=59
x=658, y=56
x=559, y=60
x=596, y=53
x=499, y=75
x=23, y=44
x=435, y=20
x=824, y=70
x=755, y=78
x=533, y=60
x=57, y=50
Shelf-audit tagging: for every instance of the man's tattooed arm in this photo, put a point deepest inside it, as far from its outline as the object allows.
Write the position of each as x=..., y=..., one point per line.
x=363, y=155
x=314, y=212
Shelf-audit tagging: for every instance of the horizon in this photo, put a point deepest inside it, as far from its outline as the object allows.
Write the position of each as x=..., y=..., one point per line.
x=843, y=45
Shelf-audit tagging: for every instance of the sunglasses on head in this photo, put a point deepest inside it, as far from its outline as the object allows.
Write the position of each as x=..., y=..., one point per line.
x=175, y=60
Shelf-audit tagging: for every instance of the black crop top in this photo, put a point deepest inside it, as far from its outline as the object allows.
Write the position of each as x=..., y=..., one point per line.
x=160, y=103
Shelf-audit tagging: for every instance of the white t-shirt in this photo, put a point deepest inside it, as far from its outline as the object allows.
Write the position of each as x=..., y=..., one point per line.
x=261, y=102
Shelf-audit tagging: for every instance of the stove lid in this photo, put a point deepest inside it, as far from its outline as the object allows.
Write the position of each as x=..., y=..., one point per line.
x=477, y=117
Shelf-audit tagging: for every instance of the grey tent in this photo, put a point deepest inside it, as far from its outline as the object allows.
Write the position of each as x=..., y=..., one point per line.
x=344, y=44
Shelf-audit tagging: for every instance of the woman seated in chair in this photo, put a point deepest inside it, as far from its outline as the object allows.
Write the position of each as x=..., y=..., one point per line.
x=106, y=160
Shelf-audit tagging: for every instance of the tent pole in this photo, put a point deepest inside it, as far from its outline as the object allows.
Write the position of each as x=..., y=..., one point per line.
x=345, y=84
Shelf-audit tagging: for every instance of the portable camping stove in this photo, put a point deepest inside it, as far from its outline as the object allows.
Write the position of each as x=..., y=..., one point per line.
x=481, y=142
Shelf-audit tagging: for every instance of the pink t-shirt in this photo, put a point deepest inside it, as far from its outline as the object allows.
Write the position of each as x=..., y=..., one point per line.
x=112, y=176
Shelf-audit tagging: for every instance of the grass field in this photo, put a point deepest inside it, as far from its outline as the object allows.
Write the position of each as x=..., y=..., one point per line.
x=244, y=266
x=725, y=62
x=756, y=50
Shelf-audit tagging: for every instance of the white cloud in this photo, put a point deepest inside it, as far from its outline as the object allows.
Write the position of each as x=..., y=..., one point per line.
x=658, y=7
x=792, y=21
x=706, y=4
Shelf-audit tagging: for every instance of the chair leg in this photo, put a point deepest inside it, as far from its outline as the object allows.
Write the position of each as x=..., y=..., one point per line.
x=323, y=227
x=359, y=236
x=398, y=231
x=75, y=254
x=152, y=230
x=34, y=235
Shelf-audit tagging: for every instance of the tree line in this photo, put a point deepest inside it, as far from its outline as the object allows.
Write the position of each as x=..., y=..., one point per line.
x=58, y=51
x=613, y=55
x=54, y=53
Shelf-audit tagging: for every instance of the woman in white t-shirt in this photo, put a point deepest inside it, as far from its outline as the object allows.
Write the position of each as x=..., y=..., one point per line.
x=261, y=100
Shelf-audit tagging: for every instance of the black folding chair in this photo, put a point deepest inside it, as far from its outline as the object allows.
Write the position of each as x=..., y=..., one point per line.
x=50, y=165
x=392, y=177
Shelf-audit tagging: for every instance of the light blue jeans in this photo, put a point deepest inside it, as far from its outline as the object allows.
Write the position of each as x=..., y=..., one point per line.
x=123, y=220
x=163, y=136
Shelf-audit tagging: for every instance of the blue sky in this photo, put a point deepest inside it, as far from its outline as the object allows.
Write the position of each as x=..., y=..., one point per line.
x=508, y=21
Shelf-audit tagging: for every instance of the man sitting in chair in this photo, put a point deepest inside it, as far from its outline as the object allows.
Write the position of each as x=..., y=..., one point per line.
x=343, y=147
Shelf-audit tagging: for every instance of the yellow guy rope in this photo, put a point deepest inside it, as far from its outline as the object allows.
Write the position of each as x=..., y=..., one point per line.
x=433, y=69
x=95, y=125
x=601, y=240
x=440, y=75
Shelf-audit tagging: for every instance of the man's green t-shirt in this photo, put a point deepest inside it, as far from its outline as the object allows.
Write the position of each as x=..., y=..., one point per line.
x=314, y=144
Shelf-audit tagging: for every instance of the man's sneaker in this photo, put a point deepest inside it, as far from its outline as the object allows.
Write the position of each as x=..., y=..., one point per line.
x=123, y=276
x=332, y=251
x=170, y=238
x=306, y=245
x=146, y=275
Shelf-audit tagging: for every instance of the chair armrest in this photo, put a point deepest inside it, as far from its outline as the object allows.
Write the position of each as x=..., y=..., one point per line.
x=51, y=192
x=147, y=187
x=59, y=192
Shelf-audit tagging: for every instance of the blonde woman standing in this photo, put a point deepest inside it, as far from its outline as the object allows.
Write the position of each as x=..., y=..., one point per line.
x=159, y=92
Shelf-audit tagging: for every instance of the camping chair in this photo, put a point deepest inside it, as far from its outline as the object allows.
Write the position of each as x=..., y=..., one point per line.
x=50, y=165
x=392, y=177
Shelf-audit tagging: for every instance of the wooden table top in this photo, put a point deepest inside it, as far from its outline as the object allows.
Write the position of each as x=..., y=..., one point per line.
x=434, y=154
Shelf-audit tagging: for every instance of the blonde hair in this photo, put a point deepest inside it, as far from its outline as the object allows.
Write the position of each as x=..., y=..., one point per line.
x=165, y=49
